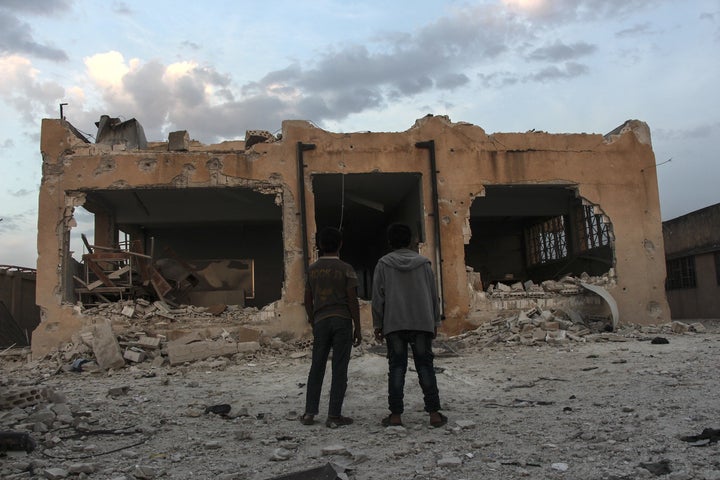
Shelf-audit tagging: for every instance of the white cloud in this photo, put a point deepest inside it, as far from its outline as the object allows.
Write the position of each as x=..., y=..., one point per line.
x=107, y=69
x=20, y=86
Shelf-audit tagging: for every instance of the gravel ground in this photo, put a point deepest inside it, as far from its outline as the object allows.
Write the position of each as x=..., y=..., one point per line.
x=595, y=410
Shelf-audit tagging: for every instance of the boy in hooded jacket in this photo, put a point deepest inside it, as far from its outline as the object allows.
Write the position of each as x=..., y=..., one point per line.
x=406, y=312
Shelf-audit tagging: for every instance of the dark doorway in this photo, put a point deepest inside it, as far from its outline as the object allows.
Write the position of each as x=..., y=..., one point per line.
x=363, y=205
x=536, y=232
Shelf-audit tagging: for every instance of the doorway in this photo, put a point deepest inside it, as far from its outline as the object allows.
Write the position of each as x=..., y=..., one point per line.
x=363, y=205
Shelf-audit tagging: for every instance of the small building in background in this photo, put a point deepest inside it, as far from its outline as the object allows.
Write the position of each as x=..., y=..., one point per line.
x=692, y=252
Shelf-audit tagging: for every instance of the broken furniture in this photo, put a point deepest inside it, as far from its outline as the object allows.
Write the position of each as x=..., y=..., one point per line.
x=113, y=273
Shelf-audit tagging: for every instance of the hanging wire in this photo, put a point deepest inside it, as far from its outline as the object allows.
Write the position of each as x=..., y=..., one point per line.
x=342, y=200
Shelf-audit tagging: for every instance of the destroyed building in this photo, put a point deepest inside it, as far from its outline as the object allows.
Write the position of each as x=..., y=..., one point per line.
x=692, y=252
x=509, y=220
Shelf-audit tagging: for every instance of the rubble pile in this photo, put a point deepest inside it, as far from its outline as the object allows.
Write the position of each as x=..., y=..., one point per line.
x=138, y=331
x=560, y=326
x=567, y=285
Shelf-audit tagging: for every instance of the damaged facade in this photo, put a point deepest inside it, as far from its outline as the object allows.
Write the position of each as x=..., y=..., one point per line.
x=509, y=220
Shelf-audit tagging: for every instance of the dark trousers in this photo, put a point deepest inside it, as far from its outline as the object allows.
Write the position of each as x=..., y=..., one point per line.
x=329, y=333
x=397, y=354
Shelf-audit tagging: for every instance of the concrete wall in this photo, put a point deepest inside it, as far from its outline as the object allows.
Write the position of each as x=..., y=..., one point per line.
x=17, y=294
x=703, y=301
x=695, y=234
x=615, y=172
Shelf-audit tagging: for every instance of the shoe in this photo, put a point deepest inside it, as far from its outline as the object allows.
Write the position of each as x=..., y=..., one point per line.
x=392, y=420
x=437, y=419
x=339, y=421
x=307, y=419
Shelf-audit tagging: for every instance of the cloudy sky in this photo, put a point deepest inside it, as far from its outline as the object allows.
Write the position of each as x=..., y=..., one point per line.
x=218, y=68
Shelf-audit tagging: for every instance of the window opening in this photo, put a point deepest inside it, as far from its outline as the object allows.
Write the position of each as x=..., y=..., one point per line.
x=546, y=241
x=592, y=229
x=681, y=273
x=536, y=232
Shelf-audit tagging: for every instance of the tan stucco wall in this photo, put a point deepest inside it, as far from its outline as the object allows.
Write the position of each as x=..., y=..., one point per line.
x=617, y=174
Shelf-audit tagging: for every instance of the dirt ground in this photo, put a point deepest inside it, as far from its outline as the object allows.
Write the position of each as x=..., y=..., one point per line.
x=592, y=410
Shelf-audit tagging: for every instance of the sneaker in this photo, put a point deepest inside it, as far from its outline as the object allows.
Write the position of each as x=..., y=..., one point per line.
x=339, y=421
x=437, y=419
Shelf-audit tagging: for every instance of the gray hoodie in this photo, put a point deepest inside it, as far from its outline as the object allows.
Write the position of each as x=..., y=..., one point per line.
x=404, y=294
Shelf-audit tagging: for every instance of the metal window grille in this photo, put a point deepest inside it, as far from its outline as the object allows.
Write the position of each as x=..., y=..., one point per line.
x=546, y=241
x=592, y=231
x=680, y=273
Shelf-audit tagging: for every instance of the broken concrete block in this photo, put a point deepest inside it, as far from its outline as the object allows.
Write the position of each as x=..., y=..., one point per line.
x=697, y=327
x=184, y=336
x=257, y=136
x=55, y=473
x=559, y=336
x=134, y=356
x=128, y=311
x=679, y=327
x=162, y=306
x=539, y=334
x=449, y=462
x=105, y=347
x=527, y=328
x=179, y=352
x=550, y=326
x=179, y=141
x=244, y=334
x=20, y=398
x=149, y=342
x=248, y=347
x=86, y=468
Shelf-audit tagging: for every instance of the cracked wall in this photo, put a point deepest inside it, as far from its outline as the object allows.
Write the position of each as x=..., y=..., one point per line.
x=615, y=172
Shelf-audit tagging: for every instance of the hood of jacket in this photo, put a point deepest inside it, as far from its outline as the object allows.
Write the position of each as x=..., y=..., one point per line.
x=404, y=259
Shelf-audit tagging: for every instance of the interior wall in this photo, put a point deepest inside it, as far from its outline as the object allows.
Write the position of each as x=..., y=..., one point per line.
x=262, y=243
x=495, y=249
x=367, y=204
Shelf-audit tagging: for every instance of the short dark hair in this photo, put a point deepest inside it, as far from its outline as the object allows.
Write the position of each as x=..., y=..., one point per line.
x=399, y=235
x=330, y=239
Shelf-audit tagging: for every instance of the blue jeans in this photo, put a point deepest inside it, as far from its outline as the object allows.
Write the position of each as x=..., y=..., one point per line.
x=332, y=333
x=397, y=354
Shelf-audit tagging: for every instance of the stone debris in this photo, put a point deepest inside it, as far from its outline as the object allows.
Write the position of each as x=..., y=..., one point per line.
x=145, y=423
x=565, y=286
x=449, y=462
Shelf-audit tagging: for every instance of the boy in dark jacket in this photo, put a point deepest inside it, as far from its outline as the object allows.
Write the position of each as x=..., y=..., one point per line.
x=333, y=311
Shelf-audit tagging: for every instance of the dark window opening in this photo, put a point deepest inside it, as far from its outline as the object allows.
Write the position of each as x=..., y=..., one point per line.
x=591, y=228
x=536, y=232
x=363, y=205
x=680, y=273
x=195, y=246
x=546, y=241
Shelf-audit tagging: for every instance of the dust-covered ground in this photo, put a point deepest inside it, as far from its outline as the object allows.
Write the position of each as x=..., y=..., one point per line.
x=592, y=410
